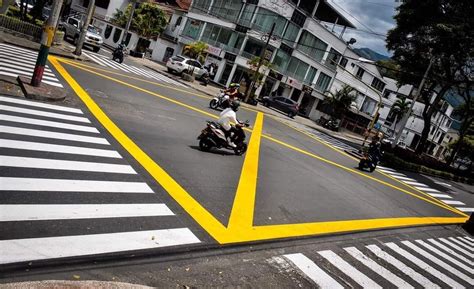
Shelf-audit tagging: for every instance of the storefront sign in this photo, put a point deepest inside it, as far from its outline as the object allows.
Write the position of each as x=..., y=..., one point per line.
x=214, y=50
x=293, y=83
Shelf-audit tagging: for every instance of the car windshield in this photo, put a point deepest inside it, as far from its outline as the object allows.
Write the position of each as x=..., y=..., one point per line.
x=92, y=29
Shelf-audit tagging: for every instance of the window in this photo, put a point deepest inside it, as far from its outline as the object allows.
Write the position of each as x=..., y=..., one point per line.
x=310, y=75
x=226, y=9
x=214, y=34
x=312, y=46
x=192, y=29
x=108, y=31
x=252, y=48
x=201, y=6
x=298, y=18
x=291, y=33
x=323, y=82
x=368, y=106
x=178, y=21
x=72, y=22
x=360, y=73
x=307, y=6
x=281, y=60
x=247, y=14
x=117, y=34
x=265, y=20
x=377, y=84
x=343, y=62
x=386, y=93
x=297, y=69
x=333, y=58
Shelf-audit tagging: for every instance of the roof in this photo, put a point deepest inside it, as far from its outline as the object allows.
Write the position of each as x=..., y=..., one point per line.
x=327, y=13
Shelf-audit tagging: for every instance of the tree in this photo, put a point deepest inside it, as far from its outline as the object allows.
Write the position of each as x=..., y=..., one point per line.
x=441, y=30
x=464, y=147
x=37, y=10
x=196, y=50
x=253, y=63
x=388, y=68
x=399, y=109
x=340, y=102
x=148, y=19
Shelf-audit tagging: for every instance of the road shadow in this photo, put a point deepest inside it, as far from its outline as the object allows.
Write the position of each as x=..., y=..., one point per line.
x=214, y=151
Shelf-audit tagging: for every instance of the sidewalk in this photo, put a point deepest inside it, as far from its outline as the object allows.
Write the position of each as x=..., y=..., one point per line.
x=212, y=90
x=59, y=50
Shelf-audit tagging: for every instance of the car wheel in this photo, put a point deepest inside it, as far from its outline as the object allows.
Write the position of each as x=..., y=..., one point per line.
x=291, y=114
x=170, y=70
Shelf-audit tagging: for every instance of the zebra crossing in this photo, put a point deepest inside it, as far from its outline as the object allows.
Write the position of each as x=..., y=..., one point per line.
x=430, y=263
x=65, y=192
x=107, y=62
x=15, y=61
x=332, y=141
x=444, y=197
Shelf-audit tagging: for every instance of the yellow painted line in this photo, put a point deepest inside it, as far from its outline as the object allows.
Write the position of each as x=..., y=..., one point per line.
x=268, y=137
x=382, y=173
x=241, y=217
x=308, y=229
x=193, y=207
x=201, y=215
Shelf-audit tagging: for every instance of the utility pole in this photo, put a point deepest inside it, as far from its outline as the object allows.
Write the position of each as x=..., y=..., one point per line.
x=127, y=27
x=85, y=26
x=49, y=30
x=417, y=94
x=260, y=62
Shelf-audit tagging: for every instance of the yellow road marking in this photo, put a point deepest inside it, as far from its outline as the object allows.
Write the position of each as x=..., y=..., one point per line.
x=206, y=219
x=382, y=173
x=190, y=205
x=241, y=217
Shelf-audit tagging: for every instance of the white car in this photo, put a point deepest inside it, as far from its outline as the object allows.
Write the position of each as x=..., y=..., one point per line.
x=178, y=64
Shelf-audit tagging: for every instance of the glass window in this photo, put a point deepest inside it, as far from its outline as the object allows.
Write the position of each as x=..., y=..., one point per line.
x=312, y=46
x=201, y=6
x=265, y=20
x=377, y=84
x=368, y=106
x=192, y=28
x=291, y=33
x=323, y=82
x=247, y=14
x=297, y=69
x=360, y=73
x=108, y=31
x=343, y=62
x=298, y=18
x=333, y=58
x=214, y=34
x=226, y=9
x=252, y=48
x=281, y=60
x=311, y=74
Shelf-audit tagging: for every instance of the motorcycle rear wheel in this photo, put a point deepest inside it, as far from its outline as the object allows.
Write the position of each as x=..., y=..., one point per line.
x=213, y=104
x=204, y=144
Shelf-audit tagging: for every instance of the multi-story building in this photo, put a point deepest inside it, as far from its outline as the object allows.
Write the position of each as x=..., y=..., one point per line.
x=104, y=9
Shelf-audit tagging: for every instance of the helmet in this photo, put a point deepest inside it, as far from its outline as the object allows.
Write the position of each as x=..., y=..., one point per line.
x=234, y=85
x=235, y=105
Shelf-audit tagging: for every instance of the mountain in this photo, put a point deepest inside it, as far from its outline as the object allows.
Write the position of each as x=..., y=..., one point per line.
x=370, y=54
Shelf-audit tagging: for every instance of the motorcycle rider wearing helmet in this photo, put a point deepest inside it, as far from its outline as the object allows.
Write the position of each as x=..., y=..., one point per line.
x=375, y=148
x=232, y=91
x=228, y=116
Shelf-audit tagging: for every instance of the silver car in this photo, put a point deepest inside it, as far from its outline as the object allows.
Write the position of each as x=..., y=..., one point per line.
x=178, y=64
x=72, y=30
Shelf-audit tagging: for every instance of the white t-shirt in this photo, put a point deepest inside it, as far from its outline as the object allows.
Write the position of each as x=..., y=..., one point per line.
x=226, y=117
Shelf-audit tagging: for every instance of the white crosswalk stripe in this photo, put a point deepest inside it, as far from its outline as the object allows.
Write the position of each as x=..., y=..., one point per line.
x=403, y=264
x=465, y=210
x=469, y=248
x=107, y=62
x=49, y=150
x=15, y=61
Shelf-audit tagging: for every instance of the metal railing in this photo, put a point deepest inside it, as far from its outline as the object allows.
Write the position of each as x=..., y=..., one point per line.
x=21, y=27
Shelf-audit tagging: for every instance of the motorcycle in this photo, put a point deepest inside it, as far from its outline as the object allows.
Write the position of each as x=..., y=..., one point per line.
x=368, y=161
x=332, y=124
x=118, y=53
x=213, y=136
x=222, y=101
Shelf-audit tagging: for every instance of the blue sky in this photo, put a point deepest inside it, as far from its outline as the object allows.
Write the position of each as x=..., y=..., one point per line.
x=375, y=15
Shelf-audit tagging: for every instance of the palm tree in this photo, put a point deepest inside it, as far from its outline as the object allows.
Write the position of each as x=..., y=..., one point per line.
x=196, y=50
x=340, y=101
x=399, y=109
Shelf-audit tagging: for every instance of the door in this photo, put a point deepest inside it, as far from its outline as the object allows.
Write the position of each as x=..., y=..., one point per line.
x=168, y=54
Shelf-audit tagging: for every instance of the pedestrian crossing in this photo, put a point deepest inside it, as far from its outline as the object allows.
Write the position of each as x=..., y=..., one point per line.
x=332, y=141
x=107, y=62
x=15, y=61
x=65, y=192
x=445, y=198
x=430, y=263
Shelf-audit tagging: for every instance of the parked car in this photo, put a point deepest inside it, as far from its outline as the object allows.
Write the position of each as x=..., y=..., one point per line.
x=72, y=29
x=288, y=106
x=178, y=64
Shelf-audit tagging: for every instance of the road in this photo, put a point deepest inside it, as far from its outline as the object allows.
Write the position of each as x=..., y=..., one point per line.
x=116, y=171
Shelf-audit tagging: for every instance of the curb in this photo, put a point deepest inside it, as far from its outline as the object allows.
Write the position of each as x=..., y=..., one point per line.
x=72, y=285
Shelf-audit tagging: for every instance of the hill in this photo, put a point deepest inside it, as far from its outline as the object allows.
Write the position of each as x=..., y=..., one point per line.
x=370, y=54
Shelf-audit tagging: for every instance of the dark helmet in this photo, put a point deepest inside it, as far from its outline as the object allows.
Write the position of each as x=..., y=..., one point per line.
x=235, y=105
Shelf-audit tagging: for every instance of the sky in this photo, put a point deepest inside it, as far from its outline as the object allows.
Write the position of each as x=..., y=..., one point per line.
x=373, y=15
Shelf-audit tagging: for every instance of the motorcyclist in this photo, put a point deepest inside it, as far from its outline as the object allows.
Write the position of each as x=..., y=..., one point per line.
x=375, y=148
x=232, y=91
x=228, y=116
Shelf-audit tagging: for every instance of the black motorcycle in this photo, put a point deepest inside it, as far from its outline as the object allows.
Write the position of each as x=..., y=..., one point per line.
x=368, y=161
x=118, y=53
x=213, y=136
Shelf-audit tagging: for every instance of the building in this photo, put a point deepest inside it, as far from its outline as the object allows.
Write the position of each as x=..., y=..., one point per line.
x=303, y=49
x=104, y=9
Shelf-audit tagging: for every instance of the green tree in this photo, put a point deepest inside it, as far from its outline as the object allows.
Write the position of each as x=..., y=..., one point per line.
x=5, y=5
x=37, y=10
x=400, y=108
x=340, y=101
x=388, y=68
x=148, y=19
x=441, y=30
x=463, y=147
x=196, y=50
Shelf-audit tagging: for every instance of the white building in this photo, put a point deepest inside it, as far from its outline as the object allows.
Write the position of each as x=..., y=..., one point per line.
x=440, y=134
x=104, y=9
x=302, y=50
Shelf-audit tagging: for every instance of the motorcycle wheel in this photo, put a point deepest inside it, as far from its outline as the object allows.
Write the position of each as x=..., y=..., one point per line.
x=213, y=104
x=372, y=169
x=204, y=145
x=361, y=165
x=241, y=149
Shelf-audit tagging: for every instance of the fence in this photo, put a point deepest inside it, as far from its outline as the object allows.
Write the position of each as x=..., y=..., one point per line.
x=17, y=26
